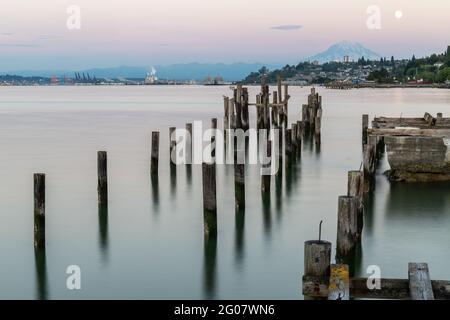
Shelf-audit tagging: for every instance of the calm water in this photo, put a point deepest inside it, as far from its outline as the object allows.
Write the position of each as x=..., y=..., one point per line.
x=151, y=245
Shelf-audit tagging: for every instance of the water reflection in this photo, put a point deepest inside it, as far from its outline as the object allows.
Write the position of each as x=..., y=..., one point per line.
x=239, y=235
x=41, y=274
x=209, y=266
x=266, y=209
x=278, y=192
x=155, y=192
x=103, y=229
x=173, y=179
x=428, y=199
x=369, y=213
x=189, y=174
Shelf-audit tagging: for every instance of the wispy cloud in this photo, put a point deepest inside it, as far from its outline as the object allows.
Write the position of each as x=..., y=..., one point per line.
x=7, y=34
x=287, y=27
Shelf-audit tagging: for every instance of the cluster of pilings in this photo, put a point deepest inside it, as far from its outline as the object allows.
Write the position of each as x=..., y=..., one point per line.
x=312, y=115
x=271, y=117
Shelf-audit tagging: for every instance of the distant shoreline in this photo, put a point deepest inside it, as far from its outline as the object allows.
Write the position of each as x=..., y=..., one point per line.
x=346, y=87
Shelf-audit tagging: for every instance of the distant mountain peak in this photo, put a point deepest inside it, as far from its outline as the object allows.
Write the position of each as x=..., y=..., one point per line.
x=337, y=52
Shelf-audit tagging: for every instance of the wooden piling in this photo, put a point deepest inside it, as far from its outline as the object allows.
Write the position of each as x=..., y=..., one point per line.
x=348, y=234
x=300, y=132
x=420, y=287
x=280, y=151
x=188, y=143
x=239, y=186
x=294, y=140
x=374, y=141
x=355, y=188
x=365, y=126
x=265, y=179
x=355, y=184
x=209, y=199
x=172, y=146
x=275, y=110
x=245, y=113
x=238, y=106
x=305, y=117
x=154, y=154
x=288, y=146
x=317, y=260
x=102, y=177
x=39, y=210
x=318, y=122
x=213, y=138
x=369, y=167
x=286, y=98
x=280, y=94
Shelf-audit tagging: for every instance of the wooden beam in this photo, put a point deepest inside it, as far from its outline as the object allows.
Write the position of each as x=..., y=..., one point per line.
x=315, y=286
x=420, y=287
x=442, y=133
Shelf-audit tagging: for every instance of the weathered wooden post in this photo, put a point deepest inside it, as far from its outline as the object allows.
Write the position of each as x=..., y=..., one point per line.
x=286, y=97
x=259, y=116
x=265, y=178
x=154, y=154
x=172, y=146
x=39, y=210
x=213, y=139
x=232, y=115
x=226, y=119
x=294, y=140
x=245, y=114
x=369, y=167
x=275, y=110
x=305, y=117
x=355, y=184
x=373, y=141
x=299, y=138
x=209, y=199
x=347, y=229
x=365, y=126
x=266, y=111
x=318, y=122
x=317, y=260
x=239, y=186
x=238, y=106
x=355, y=188
x=280, y=94
x=288, y=146
x=420, y=287
x=188, y=143
x=102, y=177
x=280, y=151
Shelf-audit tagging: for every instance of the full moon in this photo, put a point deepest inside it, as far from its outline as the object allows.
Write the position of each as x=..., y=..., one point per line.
x=398, y=14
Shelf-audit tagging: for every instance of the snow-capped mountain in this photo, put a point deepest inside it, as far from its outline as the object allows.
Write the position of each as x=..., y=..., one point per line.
x=338, y=51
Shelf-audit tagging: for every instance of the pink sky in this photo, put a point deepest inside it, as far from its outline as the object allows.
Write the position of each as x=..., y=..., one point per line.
x=33, y=34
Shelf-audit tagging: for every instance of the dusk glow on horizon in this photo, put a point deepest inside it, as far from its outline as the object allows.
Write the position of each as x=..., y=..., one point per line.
x=34, y=34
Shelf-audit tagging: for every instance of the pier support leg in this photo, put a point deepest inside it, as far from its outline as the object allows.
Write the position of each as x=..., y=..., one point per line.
x=209, y=199
x=348, y=234
x=154, y=154
x=39, y=210
x=102, y=177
